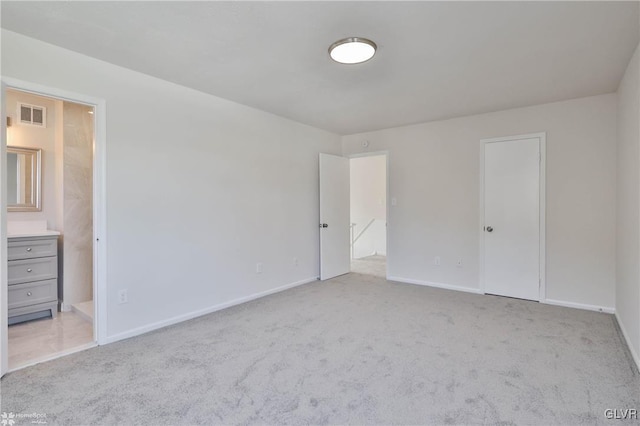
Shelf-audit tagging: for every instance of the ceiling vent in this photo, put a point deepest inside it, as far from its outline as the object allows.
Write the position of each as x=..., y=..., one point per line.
x=32, y=115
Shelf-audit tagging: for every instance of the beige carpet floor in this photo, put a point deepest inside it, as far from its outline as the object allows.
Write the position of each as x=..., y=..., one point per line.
x=354, y=350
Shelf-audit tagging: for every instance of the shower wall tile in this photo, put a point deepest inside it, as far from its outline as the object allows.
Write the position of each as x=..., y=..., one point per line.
x=78, y=200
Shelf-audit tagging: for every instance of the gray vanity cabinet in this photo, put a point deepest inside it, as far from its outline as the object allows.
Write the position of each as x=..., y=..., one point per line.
x=32, y=277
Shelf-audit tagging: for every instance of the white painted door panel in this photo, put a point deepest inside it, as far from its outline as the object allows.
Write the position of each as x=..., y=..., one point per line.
x=512, y=218
x=334, y=213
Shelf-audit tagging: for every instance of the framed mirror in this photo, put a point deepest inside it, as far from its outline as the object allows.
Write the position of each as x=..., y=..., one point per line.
x=23, y=179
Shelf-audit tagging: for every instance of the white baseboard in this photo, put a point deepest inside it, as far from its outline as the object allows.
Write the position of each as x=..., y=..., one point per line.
x=604, y=309
x=584, y=306
x=634, y=354
x=205, y=311
x=437, y=285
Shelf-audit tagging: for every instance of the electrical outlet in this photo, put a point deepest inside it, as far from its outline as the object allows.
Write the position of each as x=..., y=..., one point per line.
x=123, y=297
x=258, y=268
x=436, y=261
x=459, y=263
x=295, y=261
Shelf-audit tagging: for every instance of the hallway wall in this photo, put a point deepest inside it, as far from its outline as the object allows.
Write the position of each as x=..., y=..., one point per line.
x=368, y=181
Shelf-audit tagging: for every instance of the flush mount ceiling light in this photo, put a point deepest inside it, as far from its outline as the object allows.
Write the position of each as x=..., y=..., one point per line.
x=352, y=50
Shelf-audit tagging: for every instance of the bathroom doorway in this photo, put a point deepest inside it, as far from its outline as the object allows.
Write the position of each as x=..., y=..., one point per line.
x=50, y=227
x=368, y=211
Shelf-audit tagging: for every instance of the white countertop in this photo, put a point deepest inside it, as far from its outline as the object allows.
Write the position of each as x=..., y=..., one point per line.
x=46, y=233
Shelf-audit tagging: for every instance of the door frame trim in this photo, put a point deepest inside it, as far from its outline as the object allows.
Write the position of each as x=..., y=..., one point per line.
x=4, y=287
x=99, y=209
x=542, y=136
x=387, y=201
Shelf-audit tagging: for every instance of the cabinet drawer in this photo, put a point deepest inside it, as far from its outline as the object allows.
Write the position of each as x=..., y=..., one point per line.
x=21, y=249
x=32, y=293
x=22, y=271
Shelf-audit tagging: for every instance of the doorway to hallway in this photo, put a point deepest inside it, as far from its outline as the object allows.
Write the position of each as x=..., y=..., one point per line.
x=368, y=214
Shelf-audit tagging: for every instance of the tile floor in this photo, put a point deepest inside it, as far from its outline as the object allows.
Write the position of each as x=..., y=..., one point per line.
x=33, y=340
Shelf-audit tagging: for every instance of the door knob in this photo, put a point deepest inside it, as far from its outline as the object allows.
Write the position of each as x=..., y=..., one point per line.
x=489, y=229
x=324, y=225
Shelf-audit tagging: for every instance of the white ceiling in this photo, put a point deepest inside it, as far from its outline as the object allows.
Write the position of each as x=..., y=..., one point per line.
x=435, y=59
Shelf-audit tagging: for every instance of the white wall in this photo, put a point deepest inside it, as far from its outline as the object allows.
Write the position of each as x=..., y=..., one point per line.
x=628, y=206
x=199, y=189
x=368, y=178
x=36, y=137
x=434, y=176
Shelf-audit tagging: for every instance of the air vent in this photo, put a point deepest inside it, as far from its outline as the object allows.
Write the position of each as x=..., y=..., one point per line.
x=32, y=115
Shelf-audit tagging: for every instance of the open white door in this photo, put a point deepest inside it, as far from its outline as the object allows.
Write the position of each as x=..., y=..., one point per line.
x=512, y=218
x=334, y=216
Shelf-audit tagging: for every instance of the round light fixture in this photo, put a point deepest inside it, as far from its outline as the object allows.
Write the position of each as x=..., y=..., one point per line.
x=352, y=50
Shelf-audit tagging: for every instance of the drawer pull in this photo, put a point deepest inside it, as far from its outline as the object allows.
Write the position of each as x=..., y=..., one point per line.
x=28, y=248
x=28, y=293
x=29, y=269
